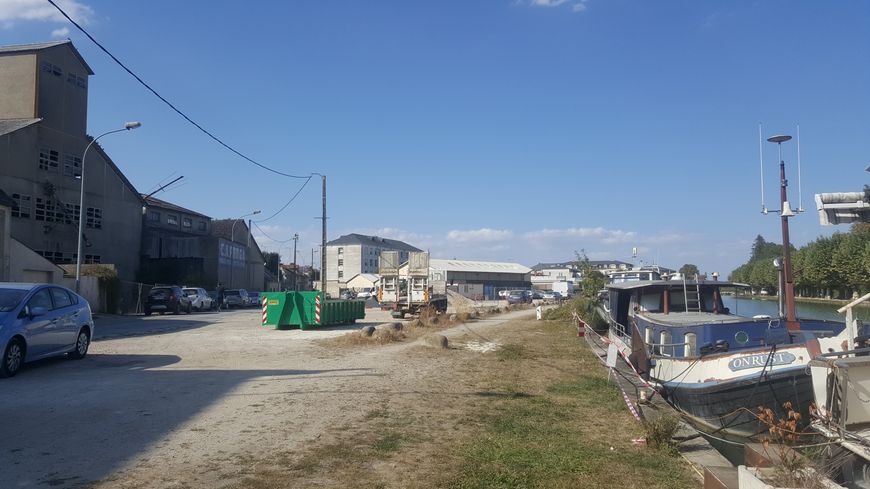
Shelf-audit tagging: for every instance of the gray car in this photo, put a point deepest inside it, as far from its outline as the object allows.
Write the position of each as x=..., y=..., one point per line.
x=39, y=321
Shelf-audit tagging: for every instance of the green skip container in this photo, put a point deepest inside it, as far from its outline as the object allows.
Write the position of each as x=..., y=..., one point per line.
x=306, y=310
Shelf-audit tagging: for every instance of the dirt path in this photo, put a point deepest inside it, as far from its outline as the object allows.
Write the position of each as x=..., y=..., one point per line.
x=190, y=408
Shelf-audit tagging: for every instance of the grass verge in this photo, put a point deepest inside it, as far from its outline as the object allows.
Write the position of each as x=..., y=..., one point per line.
x=574, y=430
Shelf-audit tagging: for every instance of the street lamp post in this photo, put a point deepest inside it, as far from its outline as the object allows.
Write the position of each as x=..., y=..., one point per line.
x=128, y=126
x=232, y=240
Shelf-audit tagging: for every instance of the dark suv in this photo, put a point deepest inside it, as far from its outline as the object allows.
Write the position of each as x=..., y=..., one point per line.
x=166, y=298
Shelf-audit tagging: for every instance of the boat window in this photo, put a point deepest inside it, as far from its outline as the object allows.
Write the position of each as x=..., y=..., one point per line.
x=651, y=301
x=677, y=300
x=648, y=335
x=665, y=340
x=691, y=341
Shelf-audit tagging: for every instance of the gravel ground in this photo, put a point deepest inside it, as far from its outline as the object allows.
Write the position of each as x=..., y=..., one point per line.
x=190, y=401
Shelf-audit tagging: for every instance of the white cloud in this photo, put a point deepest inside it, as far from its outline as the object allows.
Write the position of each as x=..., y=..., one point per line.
x=62, y=32
x=547, y=3
x=576, y=5
x=479, y=235
x=42, y=11
x=599, y=233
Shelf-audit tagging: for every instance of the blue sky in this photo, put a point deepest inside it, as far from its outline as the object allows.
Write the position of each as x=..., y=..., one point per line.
x=495, y=130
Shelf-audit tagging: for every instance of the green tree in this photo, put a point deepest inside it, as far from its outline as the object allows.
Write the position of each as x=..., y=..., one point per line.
x=764, y=275
x=848, y=262
x=273, y=261
x=689, y=270
x=591, y=281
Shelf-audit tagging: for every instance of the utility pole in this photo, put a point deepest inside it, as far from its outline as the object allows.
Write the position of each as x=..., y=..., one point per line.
x=323, y=243
x=295, y=266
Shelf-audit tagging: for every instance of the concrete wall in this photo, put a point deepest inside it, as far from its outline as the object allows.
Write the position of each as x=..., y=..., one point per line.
x=5, y=244
x=18, y=86
x=28, y=266
x=62, y=90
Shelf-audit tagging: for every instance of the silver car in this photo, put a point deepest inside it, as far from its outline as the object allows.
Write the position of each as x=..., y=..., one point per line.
x=199, y=298
x=39, y=321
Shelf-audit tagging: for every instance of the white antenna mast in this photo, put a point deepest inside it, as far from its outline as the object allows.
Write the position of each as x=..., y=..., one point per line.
x=761, y=163
x=800, y=191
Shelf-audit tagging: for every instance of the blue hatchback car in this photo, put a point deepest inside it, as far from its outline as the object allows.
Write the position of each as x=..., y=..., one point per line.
x=39, y=321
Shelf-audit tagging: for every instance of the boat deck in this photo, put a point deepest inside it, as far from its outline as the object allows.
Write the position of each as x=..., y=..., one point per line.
x=693, y=317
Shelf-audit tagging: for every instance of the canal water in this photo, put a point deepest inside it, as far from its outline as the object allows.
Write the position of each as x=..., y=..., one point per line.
x=743, y=306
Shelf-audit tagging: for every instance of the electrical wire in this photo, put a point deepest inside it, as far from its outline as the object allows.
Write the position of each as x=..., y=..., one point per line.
x=168, y=103
x=289, y=201
x=271, y=238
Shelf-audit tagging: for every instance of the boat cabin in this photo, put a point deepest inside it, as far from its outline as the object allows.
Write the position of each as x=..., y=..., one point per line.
x=688, y=319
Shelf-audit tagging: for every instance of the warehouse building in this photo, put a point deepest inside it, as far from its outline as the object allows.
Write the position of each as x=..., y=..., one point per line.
x=478, y=280
x=43, y=124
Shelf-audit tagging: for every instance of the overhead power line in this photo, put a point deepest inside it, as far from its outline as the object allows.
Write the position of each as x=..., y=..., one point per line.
x=308, y=179
x=173, y=107
x=271, y=238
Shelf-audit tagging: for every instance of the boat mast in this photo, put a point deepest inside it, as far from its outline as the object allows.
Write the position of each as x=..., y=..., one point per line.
x=786, y=212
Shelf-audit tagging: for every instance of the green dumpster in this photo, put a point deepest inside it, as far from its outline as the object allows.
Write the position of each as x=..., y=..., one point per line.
x=307, y=310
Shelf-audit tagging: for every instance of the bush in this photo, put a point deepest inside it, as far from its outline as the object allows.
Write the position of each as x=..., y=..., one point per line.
x=660, y=432
x=585, y=307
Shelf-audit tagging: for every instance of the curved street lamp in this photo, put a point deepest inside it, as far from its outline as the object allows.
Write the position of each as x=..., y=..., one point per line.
x=128, y=126
x=233, y=240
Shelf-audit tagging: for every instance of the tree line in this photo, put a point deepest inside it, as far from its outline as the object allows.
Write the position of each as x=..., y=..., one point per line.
x=835, y=267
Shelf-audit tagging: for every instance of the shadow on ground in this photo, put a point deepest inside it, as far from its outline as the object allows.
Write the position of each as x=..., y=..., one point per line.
x=66, y=423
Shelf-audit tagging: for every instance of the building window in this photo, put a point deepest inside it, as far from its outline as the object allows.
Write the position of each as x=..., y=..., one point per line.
x=340, y=250
x=340, y=274
x=172, y=220
x=72, y=166
x=186, y=222
x=153, y=216
x=48, y=159
x=71, y=216
x=71, y=78
x=202, y=226
x=94, y=218
x=46, y=211
x=92, y=259
x=340, y=262
x=52, y=68
x=23, y=206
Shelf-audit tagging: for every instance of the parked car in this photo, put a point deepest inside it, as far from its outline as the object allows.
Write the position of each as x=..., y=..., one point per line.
x=199, y=298
x=517, y=297
x=551, y=295
x=347, y=295
x=167, y=298
x=365, y=294
x=254, y=299
x=236, y=298
x=534, y=294
x=39, y=321
x=214, y=298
